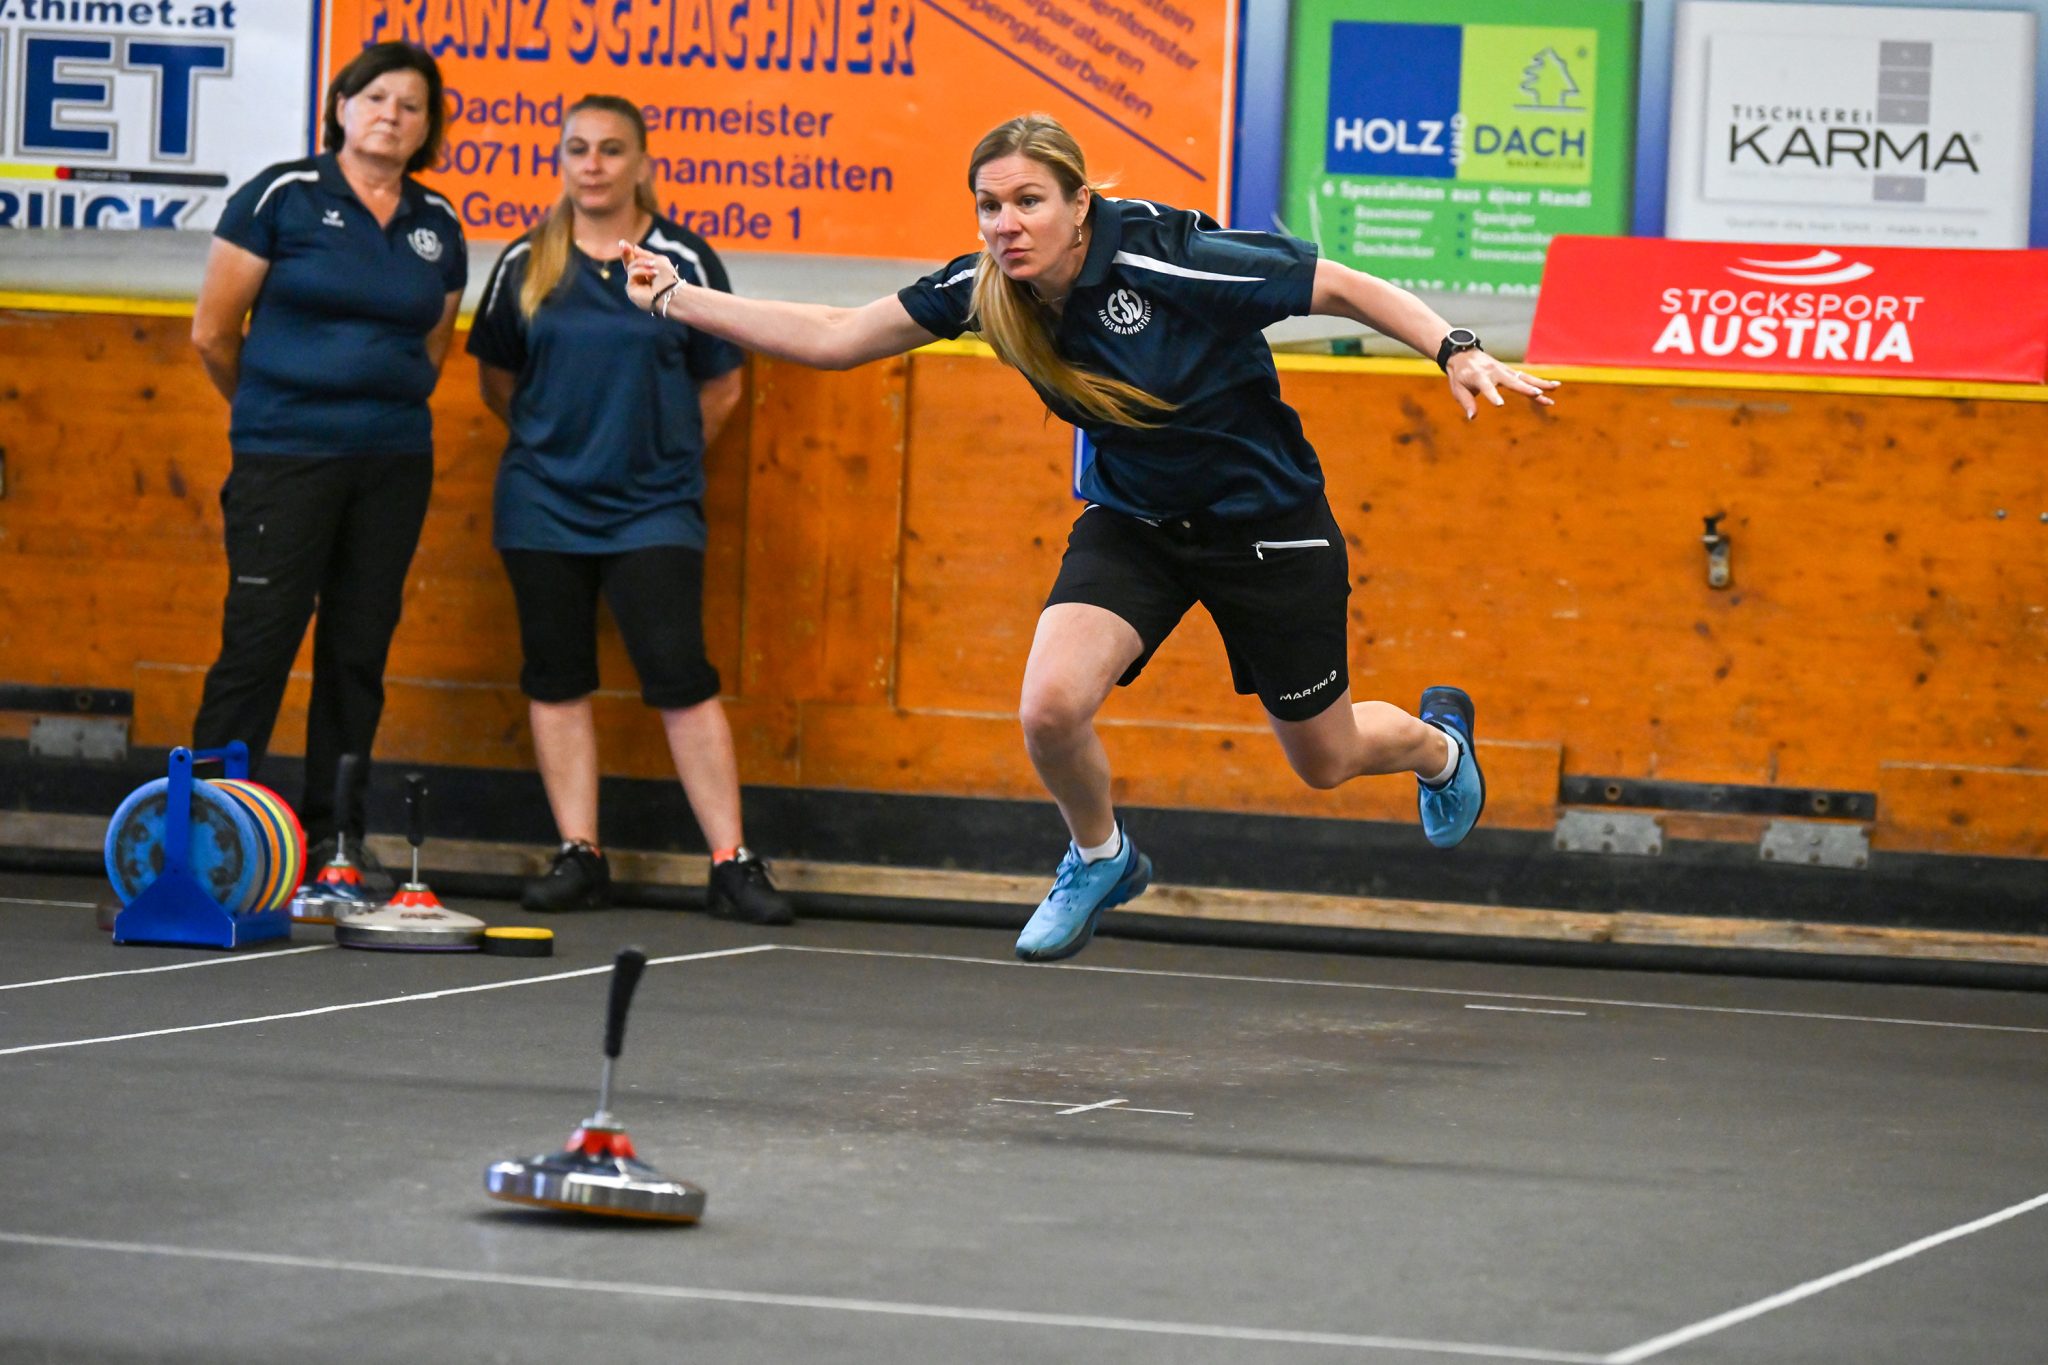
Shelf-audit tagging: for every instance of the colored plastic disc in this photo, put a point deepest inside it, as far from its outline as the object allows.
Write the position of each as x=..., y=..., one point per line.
x=288, y=840
x=269, y=844
x=518, y=940
x=224, y=853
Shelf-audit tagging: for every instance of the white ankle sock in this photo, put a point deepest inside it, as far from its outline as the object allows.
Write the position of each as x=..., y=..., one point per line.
x=1108, y=849
x=1451, y=767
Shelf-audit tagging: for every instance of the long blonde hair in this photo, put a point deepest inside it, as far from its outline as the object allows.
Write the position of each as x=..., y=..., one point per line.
x=549, y=263
x=1008, y=314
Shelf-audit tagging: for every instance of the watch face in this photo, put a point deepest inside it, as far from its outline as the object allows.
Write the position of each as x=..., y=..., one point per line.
x=1463, y=337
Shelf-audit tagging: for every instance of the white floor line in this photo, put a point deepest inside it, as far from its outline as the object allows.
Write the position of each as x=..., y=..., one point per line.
x=1525, y=1009
x=373, y=1004
x=1010, y=964
x=168, y=967
x=61, y=905
x=1706, y=1327
x=822, y=1302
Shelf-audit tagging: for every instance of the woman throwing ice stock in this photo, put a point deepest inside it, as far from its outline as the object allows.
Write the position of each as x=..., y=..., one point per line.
x=1141, y=324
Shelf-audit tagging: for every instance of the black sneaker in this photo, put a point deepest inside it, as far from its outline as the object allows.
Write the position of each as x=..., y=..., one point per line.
x=740, y=890
x=377, y=882
x=578, y=879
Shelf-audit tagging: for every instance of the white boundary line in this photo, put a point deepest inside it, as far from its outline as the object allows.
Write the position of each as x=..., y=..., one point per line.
x=828, y=1303
x=169, y=967
x=1008, y=964
x=1707, y=1326
x=61, y=905
x=372, y=1004
x=1525, y=1009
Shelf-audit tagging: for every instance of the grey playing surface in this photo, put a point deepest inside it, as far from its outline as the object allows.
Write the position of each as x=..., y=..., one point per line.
x=918, y=1150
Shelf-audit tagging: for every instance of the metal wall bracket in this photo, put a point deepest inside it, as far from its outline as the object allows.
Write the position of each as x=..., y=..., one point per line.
x=1816, y=845
x=1715, y=798
x=1584, y=831
x=92, y=738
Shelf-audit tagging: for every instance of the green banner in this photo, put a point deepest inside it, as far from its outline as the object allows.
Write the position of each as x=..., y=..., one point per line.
x=1440, y=144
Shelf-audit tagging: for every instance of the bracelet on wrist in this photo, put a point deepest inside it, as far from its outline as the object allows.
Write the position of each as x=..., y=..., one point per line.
x=659, y=304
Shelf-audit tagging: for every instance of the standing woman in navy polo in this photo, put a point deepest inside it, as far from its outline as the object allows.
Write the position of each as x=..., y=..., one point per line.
x=346, y=273
x=601, y=495
x=1141, y=324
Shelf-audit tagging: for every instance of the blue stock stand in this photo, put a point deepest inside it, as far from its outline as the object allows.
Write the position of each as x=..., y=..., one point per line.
x=175, y=907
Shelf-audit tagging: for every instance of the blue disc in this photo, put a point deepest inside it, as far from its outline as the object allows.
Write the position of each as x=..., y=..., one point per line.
x=223, y=854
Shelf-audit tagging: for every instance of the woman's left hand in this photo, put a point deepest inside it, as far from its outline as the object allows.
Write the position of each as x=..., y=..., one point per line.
x=1475, y=374
x=647, y=274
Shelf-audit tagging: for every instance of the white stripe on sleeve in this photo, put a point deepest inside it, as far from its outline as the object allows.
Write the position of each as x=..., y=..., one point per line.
x=498, y=276
x=1132, y=258
x=657, y=238
x=287, y=178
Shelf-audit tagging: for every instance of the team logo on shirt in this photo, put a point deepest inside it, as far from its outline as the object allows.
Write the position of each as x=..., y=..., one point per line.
x=426, y=244
x=332, y=218
x=1126, y=312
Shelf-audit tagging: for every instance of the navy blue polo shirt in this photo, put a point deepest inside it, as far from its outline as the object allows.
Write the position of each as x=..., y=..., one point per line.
x=335, y=362
x=1171, y=302
x=607, y=439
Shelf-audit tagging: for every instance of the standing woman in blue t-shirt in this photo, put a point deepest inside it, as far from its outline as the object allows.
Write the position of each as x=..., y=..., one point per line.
x=1142, y=325
x=601, y=494
x=346, y=273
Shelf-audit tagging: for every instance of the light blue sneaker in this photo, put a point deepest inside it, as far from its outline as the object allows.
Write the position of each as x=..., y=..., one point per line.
x=1065, y=919
x=1450, y=811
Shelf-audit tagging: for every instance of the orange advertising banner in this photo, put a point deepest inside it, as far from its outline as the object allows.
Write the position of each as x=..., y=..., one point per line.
x=839, y=127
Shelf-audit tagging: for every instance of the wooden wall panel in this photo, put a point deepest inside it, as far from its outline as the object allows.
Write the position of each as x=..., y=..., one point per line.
x=882, y=541
x=823, y=497
x=1952, y=808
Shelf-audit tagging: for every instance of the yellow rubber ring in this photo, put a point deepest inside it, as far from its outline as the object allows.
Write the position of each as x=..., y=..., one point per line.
x=519, y=931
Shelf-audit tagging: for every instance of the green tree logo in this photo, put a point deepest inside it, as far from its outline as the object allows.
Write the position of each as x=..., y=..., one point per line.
x=1548, y=83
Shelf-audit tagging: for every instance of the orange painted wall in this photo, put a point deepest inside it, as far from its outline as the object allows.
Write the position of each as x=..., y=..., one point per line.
x=882, y=540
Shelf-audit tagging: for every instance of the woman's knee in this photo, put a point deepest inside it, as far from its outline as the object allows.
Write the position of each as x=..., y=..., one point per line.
x=1054, y=716
x=1321, y=769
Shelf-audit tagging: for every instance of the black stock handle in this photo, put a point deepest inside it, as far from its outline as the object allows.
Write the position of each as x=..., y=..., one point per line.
x=626, y=969
x=344, y=788
x=415, y=809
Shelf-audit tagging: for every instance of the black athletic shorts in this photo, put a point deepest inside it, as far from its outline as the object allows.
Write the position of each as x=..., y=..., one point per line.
x=1277, y=590
x=656, y=595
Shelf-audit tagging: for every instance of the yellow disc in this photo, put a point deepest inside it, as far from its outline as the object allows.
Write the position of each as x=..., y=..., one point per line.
x=518, y=940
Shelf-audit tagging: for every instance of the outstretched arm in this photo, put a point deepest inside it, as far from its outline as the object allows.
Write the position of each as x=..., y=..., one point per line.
x=1343, y=292
x=808, y=333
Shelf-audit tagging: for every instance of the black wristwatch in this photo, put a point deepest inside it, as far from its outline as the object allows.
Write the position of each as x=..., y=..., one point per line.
x=1456, y=340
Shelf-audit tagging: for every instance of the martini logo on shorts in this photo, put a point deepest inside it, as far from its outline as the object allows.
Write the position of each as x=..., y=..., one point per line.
x=1311, y=690
x=1126, y=312
x=426, y=244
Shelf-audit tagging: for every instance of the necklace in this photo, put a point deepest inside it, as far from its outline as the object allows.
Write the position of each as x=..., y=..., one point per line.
x=604, y=264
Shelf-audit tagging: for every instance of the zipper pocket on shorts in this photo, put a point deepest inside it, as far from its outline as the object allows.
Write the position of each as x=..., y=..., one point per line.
x=1259, y=547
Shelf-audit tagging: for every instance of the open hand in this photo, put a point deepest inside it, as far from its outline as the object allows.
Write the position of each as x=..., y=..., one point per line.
x=647, y=274
x=1475, y=374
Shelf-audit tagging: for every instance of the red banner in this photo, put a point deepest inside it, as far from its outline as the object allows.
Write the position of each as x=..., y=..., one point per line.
x=1896, y=312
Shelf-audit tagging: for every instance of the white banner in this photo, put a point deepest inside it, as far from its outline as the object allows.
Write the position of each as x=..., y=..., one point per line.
x=1852, y=124
x=146, y=113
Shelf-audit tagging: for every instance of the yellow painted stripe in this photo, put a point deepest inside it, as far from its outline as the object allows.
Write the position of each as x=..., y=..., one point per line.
x=1669, y=379
x=16, y=170
x=1795, y=383
x=1288, y=360
x=94, y=303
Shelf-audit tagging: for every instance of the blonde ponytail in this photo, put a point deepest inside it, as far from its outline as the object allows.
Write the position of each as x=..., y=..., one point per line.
x=1014, y=324
x=548, y=262
x=1009, y=316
